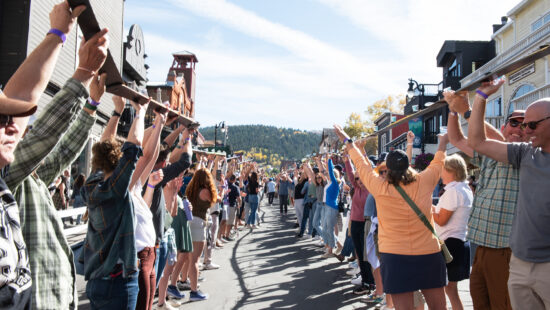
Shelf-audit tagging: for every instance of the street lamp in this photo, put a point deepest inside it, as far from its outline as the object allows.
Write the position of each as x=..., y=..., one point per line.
x=410, y=91
x=221, y=125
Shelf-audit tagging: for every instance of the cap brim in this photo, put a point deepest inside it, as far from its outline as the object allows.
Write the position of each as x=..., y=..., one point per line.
x=17, y=108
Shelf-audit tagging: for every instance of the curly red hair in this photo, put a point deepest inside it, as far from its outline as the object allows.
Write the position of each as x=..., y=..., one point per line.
x=201, y=179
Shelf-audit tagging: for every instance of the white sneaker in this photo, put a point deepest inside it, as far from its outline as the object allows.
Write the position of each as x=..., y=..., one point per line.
x=353, y=272
x=357, y=281
x=166, y=306
x=211, y=266
x=353, y=265
x=317, y=237
x=320, y=244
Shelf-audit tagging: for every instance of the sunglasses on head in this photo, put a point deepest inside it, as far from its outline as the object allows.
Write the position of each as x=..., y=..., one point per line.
x=5, y=120
x=533, y=125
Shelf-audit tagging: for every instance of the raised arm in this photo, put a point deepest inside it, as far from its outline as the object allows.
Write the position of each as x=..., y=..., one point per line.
x=477, y=139
x=31, y=78
x=410, y=142
x=154, y=179
x=150, y=152
x=110, y=130
x=171, y=138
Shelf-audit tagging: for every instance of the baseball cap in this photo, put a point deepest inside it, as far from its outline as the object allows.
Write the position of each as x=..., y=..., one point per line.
x=516, y=114
x=14, y=107
x=397, y=160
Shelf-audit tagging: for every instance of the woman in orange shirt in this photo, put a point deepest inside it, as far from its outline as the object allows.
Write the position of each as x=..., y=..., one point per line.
x=410, y=255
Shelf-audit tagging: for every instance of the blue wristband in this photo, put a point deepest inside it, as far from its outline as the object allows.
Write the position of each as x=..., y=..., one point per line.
x=482, y=94
x=58, y=33
x=93, y=102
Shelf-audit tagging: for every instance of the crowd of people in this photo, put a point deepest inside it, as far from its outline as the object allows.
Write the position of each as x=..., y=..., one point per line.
x=156, y=210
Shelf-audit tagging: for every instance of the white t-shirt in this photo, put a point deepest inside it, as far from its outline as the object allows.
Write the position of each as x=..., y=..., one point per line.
x=144, y=230
x=458, y=198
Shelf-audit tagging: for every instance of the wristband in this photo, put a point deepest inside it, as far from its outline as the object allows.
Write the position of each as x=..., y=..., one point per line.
x=453, y=113
x=115, y=114
x=409, y=144
x=154, y=126
x=86, y=69
x=58, y=33
x=93, y=102
x=150, y=186
x=90, y=107
x=482, y=94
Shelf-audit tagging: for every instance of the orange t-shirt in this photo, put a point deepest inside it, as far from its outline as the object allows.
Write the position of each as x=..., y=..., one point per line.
x=400, y=229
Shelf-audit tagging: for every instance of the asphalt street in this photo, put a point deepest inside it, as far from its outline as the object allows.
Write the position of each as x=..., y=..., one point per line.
x=268, y=268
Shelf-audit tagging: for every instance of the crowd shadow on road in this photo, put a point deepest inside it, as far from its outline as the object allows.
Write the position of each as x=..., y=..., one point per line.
x=306, y=280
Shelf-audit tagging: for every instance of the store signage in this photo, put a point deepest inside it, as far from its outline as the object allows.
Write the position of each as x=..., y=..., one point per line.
x=521, y=73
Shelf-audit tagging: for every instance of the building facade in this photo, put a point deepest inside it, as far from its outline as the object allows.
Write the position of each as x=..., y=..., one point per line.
x=527, y=28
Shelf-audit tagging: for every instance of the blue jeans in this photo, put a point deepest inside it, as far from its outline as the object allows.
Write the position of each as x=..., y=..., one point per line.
x=253, y=202
x=317, y=217
x=348, y=245
x=115, y=293
x=329, y=221
x=160, y=262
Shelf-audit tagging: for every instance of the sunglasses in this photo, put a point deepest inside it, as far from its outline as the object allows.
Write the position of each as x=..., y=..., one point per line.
x=514, y=123
x=533, y=125
x=5, y=120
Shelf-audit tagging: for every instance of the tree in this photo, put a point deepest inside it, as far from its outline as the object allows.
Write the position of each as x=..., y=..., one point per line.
x=394, y=104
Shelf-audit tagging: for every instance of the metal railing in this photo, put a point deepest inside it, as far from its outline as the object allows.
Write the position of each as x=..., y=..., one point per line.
x=509, y=54
x=80, y=228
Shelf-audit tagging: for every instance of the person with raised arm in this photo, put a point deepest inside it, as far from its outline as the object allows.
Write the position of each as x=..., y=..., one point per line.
x=109, y=253
x=410, y=255
x=495, y=197
x=529, y=239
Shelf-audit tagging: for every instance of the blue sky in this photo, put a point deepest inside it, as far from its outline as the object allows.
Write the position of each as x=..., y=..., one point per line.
x=304, y=64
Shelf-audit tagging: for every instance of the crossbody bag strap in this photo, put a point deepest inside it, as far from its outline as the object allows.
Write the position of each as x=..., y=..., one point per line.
x=416, y=210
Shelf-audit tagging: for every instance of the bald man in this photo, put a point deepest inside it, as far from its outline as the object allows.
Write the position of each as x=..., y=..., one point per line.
x=529, y=280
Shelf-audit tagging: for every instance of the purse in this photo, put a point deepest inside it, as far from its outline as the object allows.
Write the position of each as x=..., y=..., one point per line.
x=444, y=250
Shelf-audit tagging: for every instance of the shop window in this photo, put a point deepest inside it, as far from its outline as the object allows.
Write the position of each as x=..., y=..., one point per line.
x=522, y=90
x=494, y=108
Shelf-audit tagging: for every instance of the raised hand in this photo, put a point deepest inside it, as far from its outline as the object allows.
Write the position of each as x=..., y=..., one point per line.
x=97, y=87
x=410, y=137
x=62, y=18
x=458, y=101
x=156, y=177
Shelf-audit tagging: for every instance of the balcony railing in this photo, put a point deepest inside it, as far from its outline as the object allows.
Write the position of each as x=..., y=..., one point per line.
x=509, y=54
x=522, y=102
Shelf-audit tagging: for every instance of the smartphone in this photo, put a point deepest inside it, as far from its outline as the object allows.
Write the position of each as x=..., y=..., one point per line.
x=219, y=175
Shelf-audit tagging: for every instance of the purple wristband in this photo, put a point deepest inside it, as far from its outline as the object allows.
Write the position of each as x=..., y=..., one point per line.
x=482, y=94
x=151, y=186
x=93, y=102
x=58, y=33
x=154, y=126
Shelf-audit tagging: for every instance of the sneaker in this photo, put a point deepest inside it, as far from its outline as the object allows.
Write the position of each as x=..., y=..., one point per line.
x=211, y=266
x=173, y=291
x=327, y=255
x=201, y=278
x=373, y=298
x=316, y=238
x=361, y=290
x=229, y=239
x=166, y=306
x=320, y=244
x=353, y=271
x=357, y=280
x=353, y=265
x=197, y=296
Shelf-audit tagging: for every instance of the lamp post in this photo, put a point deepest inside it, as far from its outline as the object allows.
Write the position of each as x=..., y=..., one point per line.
x=221, y=125
x=414, y=85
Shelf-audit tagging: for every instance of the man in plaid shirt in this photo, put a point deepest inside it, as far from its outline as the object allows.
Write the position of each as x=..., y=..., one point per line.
x=493, y=209
x=50, y=256
x=17, y=103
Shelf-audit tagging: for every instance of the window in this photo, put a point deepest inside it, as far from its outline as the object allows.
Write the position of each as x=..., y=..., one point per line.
x=454, y=69
x=540, y=22
x=494, y=108
x=522, y=90
x=383, y=142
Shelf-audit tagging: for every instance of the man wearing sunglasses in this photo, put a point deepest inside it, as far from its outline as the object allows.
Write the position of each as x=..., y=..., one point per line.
x=495, y=198
x=17, y=103
x=529, y=280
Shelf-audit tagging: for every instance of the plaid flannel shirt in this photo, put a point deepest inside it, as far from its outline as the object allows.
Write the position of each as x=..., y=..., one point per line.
x=495, y=200
x=51, y=257
x=110, y=239
x=15, y=278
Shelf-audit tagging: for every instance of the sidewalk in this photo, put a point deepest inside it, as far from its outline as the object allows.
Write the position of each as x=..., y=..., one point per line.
x=269, y=268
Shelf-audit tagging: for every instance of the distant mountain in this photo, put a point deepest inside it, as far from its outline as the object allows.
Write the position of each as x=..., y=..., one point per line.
x=268, y=144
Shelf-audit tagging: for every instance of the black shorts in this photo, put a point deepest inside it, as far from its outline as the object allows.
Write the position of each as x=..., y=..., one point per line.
x=459, y=268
